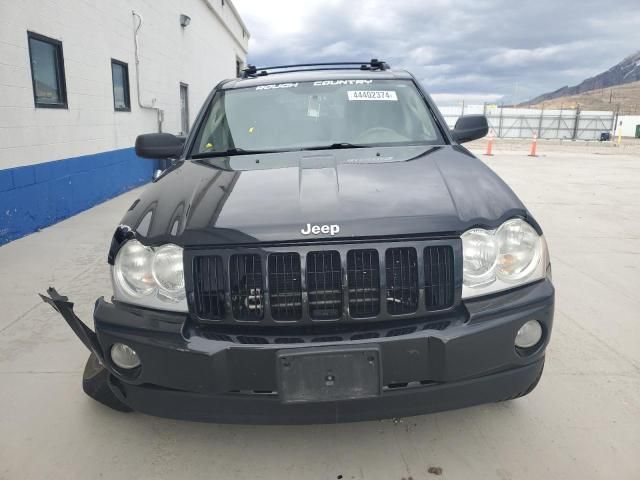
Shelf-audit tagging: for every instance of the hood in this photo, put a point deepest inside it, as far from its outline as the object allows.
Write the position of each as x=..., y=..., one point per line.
x=365, y=192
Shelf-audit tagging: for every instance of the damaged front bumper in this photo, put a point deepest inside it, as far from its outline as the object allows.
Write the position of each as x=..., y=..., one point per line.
x=64, y=307
x=188, y=375
x=95, y=378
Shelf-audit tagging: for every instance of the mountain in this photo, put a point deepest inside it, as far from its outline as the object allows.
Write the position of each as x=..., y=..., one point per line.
x=627, y=71
x=624, y=99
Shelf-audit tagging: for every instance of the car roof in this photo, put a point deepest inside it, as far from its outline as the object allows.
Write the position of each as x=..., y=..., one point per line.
x=315, y=75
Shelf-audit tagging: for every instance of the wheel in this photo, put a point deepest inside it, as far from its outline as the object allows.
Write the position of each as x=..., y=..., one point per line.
x=95, y=383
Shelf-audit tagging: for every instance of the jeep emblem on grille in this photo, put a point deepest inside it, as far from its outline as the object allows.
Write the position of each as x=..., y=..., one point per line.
x=318, y=229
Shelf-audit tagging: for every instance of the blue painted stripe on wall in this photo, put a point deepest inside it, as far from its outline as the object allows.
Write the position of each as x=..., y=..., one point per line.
x=36, y=196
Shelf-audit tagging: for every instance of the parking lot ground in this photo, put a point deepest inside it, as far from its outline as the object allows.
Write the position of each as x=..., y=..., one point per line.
x=582, y=422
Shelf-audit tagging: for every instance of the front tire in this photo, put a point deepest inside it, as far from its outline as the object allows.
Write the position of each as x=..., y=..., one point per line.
x=95, y=383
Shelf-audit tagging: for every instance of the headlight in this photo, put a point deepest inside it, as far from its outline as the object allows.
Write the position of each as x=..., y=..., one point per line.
x=495, y=260
x=150, y=277
x=480, y=252
x=133, y=269
x=167, y=269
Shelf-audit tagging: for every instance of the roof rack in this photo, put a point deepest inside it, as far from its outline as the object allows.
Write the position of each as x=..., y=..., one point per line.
x=374, y=64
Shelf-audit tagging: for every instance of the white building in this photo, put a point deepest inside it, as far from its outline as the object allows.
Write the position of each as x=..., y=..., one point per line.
x=628, y=125
x=73, y=97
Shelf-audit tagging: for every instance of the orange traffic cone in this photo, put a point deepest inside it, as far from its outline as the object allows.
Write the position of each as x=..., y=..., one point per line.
x=534, y=145
x=489, y=146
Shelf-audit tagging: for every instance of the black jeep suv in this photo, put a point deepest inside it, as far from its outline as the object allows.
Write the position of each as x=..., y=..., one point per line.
x=322, y=249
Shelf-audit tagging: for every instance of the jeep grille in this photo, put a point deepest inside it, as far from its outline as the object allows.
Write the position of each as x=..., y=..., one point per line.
x=308, y=285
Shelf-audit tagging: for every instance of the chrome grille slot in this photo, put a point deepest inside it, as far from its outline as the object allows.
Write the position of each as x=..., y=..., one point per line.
x=438, y=275
x=209, y=287
x=246, y=287
x=285, y=289
x=324, y=285
x=363, y=276
x=401, y=265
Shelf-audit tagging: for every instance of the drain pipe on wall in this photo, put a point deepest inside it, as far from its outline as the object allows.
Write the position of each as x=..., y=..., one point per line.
x=159, y=112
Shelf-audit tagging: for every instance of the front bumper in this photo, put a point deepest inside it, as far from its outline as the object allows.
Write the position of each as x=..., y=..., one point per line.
x=187, y=376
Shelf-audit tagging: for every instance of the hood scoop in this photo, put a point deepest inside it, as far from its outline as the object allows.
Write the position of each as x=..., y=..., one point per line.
x=318, y=182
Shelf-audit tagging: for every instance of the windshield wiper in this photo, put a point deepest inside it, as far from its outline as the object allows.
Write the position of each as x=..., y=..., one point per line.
x=241, y=151
x=232, y=152
x=336, y=146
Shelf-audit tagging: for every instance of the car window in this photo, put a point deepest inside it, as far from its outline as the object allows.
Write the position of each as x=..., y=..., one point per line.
x=309, y=114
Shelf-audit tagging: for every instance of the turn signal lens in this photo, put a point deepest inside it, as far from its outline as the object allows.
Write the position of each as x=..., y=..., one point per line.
x=519, y=248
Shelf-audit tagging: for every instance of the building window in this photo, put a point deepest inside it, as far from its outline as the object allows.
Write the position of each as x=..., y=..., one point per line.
x=47, y=71
x=120, y=80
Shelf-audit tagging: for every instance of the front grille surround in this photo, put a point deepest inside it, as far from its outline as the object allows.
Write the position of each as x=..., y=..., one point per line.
x=318, y=283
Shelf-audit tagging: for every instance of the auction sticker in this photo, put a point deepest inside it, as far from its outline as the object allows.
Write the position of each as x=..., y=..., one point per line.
x=374, y=95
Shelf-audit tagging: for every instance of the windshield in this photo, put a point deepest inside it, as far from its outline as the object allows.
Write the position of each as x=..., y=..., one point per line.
x=320, y=114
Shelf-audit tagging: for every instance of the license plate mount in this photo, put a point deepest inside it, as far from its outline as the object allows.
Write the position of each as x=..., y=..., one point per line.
x=328, y=374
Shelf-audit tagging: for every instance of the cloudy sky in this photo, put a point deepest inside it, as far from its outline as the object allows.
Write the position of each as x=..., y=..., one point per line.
x=479, y=50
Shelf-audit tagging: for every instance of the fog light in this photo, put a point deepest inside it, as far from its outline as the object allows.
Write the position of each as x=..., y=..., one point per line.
x=124, y=356
x=529, y=334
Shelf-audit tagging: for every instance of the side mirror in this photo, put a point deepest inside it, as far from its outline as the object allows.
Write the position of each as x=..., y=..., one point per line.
x=470, y=127
x=159, y=145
